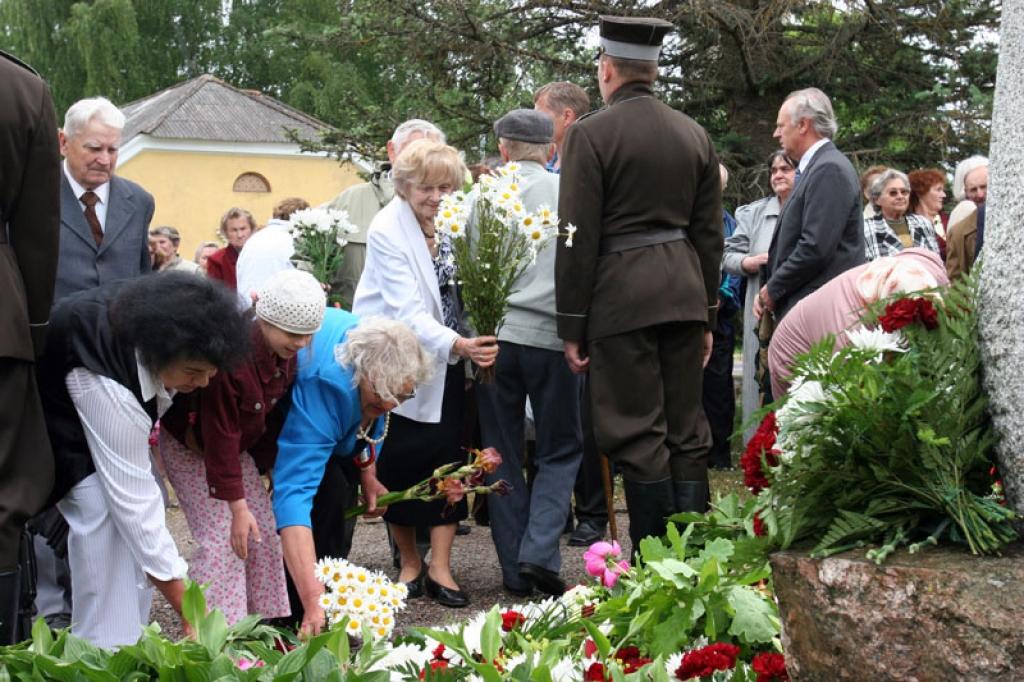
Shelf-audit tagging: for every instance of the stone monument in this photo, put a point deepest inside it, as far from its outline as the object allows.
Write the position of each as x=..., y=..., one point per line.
x=1002, y=278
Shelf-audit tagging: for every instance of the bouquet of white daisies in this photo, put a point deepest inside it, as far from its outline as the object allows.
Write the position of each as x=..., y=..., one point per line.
x=367, y=599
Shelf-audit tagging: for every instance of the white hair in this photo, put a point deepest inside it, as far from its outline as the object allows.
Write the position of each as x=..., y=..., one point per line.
x=963, y=169
x=814, y=104
x=85, y=110
x=387, y=354
x=411, y=127
x=883, y=179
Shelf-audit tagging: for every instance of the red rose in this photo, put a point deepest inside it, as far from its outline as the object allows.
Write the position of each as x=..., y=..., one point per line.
x=595, y=673
x=704, y=662
x=511, y=620
x=770, y=667
x=898, y=314
x=588, y=610
x=589, y=648
x=926, y=311
x=758, y=525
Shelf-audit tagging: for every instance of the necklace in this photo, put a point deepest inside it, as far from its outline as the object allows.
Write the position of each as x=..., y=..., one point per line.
x=363, y=434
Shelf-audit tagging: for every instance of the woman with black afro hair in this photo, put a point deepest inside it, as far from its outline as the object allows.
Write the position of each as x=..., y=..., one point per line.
x=115, y=357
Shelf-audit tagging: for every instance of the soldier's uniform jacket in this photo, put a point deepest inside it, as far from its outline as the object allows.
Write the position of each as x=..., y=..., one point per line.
x=633, y=176
x=29, y=208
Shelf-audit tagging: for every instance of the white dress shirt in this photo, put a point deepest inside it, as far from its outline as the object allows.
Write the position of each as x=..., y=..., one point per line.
x=805, y=160
x=117, y=432
x=103, y=192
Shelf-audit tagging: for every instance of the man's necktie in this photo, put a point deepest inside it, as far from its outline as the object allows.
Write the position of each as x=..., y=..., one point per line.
x=796, y=178
x=89, y=198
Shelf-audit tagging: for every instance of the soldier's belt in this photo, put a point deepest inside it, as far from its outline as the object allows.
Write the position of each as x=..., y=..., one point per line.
x=636, y=240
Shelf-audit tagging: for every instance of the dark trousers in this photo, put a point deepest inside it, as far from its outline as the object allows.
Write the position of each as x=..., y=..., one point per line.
x=719, y=398
x=526, y=523
x=26, y=461
x=645, y=390
x=588, y=492
x=332, y=534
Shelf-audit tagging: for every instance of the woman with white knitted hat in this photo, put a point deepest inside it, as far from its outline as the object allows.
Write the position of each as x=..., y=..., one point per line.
x=216, y=442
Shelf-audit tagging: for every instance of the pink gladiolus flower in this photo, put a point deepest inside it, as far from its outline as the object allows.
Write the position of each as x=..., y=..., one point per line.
x=488, y=459
x=604, y=561
x=453, y=490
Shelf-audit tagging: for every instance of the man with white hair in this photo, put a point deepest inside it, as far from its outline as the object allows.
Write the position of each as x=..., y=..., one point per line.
x=365, y=200
x=820, y=232
x=966, y=222
x=104, y=236
x=104, y=219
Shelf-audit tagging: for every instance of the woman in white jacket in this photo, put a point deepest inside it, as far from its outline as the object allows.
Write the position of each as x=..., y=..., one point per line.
x=410, y=276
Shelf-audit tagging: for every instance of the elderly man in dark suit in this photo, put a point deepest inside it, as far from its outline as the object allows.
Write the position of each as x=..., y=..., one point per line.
x=638, y=289
x=29, y=228
x=104, y=218
x=820, y=232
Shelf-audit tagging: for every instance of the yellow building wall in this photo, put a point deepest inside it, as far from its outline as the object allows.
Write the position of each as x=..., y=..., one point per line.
x=193, y=190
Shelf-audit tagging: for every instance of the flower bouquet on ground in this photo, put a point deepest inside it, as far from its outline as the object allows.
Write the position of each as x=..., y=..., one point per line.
x=359, y=598
x=503, y=243
x=320, y=235
x=451, y=482
x=887, y=441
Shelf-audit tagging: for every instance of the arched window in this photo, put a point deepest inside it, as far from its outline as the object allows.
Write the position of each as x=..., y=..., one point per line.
x=251, y=182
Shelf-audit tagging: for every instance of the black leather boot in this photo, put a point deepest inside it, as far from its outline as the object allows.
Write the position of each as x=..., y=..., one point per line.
x=691, y=496
x=649, y=503
x=10, y=595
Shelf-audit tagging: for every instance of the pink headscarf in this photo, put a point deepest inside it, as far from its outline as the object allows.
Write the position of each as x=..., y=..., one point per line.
x=913, y=269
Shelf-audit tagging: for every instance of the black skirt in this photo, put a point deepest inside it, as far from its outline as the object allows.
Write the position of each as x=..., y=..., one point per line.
x=414, y=449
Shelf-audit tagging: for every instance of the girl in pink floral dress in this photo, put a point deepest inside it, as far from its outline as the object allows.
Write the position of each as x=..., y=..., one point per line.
x=215, y=443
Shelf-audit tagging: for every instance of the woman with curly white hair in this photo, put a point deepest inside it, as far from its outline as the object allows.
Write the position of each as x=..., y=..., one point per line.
x=349, y=379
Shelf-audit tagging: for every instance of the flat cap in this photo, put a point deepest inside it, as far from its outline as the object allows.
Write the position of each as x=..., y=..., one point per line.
x=633, y=37
x=166, y=231
x=526, y=125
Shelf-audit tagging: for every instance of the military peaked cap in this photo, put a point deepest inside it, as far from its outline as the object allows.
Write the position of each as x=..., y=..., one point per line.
x=633, y=37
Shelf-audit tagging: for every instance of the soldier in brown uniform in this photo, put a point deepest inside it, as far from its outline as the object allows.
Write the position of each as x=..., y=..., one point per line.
x=29, y=229
x=637, y=292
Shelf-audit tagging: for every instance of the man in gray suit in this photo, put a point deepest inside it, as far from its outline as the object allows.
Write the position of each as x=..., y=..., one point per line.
x=820, y=232
x=104, y=219
x=526, y=524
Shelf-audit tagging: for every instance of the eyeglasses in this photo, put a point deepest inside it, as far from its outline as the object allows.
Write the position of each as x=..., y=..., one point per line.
x=402, y=397
x=898, y=192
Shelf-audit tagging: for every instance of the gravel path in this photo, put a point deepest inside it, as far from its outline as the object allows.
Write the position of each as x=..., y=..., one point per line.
x=474, y=564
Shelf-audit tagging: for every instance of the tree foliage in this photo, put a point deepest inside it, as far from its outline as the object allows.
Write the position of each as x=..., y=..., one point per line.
x=911, y=80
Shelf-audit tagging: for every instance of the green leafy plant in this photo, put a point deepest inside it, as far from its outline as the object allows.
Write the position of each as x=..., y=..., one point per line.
x=890, y=447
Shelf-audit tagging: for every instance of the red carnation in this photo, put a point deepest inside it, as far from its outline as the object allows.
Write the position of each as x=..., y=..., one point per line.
x=761, y=443
x=595, y=673
x=926, y=311
x=511, y=620
x=770, y=667
x=758, y=525
x=589, y=649
x=705, y=661
x=898, y=314
x=631, y=659
x=434, y=667
x=438, y=652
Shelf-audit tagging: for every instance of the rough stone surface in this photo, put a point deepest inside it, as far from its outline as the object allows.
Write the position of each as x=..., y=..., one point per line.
x=1002, y=279
x=942, y=614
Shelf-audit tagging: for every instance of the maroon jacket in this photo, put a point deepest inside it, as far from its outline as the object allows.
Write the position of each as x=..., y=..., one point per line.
x=221, y=265
x=235, y=414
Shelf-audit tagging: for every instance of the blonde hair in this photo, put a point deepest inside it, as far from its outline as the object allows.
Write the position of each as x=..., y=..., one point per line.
x=387, y=354
x=426, y=160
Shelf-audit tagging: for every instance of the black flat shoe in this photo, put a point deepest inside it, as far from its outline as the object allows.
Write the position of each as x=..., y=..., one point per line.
x=544, y=580
x=415, y=586
x=462, y=529
x=445, y=596
x=585, y=535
